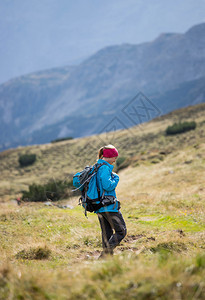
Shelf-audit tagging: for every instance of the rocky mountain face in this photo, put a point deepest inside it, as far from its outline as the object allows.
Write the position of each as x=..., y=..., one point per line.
x=164, y=74
x=39, y=35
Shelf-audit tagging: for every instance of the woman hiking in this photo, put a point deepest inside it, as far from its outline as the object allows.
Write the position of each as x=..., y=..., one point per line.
x=112, y=224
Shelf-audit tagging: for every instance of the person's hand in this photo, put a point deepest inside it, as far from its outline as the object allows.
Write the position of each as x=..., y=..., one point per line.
x=114, y=174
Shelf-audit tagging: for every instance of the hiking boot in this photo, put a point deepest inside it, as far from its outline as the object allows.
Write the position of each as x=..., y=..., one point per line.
x=105, y=253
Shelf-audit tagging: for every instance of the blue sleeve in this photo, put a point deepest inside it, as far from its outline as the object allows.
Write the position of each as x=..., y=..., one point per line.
x=108, y=181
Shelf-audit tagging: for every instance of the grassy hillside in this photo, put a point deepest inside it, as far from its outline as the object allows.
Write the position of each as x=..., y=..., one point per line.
x=51, y=253
x=146, y=144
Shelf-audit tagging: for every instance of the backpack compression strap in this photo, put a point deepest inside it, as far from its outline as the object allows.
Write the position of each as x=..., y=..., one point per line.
x=88, y=179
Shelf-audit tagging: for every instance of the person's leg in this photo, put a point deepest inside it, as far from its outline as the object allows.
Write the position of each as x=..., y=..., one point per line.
x=106, y=229
x=116, y=221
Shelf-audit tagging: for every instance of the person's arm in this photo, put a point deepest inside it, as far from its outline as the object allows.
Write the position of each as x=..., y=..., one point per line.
x=109, y=183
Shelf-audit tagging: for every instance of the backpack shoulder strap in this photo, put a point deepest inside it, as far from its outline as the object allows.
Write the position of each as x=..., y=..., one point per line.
x=99, y=165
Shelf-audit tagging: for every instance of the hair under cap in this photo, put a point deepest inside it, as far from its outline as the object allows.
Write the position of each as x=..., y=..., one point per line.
x=110, y=152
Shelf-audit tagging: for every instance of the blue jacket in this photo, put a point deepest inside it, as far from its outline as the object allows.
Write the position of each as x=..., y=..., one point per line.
x=107, y=181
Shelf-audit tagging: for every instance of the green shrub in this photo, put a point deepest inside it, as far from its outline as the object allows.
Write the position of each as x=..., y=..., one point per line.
x=62, y=139
x=120, y=160
x=180, y=127
x=121, y=163
x=27, y=159
x=53, y=190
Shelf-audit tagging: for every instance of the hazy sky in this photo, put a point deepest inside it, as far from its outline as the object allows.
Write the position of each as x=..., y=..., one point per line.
x=41, y=34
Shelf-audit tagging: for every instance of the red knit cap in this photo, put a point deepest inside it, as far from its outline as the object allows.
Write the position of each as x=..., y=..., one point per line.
x=110, y=152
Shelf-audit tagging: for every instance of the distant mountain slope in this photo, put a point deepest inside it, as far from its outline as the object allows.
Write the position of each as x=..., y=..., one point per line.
x=24, y=100
x=185, y=94
x=37, y=35
x=79, y=101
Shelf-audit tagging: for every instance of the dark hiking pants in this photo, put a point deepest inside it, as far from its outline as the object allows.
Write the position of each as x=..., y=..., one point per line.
x=113, y=229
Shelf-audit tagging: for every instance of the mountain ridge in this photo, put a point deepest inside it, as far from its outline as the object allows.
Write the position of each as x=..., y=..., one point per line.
x=56, y=101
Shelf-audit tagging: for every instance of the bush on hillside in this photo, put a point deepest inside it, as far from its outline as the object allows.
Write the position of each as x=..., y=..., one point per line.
x=53, y=190
x=62, y=139
x=27, y=159
x=122, y=163
x=180, y=127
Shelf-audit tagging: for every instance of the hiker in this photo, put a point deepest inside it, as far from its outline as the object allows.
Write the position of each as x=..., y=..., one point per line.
x=18, y=200
x=112, y=224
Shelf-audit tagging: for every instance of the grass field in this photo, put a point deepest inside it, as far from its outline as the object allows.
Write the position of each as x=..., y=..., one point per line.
x=48, y=252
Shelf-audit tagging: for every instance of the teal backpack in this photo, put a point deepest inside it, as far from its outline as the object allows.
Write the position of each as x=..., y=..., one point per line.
x=86, y=182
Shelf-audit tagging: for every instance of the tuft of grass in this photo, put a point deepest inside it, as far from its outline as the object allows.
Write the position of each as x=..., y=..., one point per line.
x=92, y=241
x=169, y=247
x=37, y=253
x=109, y=270
x=200, y=261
